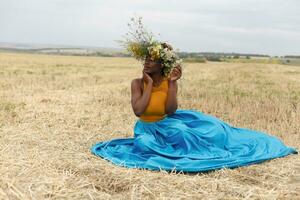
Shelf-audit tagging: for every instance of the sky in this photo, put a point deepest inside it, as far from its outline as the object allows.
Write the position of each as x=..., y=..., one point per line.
x=242, y=26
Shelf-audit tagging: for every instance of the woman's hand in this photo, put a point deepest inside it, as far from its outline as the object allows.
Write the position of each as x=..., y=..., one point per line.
x=176, y=73
x=147, y=78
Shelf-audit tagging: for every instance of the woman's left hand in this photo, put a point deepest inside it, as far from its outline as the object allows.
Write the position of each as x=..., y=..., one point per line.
x=176, y=73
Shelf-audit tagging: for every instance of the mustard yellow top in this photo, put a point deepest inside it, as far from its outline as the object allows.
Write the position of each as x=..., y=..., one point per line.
x=155, y=110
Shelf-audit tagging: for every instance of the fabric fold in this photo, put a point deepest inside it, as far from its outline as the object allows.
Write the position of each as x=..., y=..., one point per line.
x=191, y=141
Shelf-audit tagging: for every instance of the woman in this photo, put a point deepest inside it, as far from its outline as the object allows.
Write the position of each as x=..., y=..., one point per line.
x=167, y=138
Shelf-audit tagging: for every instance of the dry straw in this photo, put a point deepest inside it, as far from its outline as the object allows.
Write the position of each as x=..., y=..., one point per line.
x=54, y=108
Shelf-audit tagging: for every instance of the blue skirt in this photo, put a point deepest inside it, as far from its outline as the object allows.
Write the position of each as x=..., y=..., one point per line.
x=191, y=141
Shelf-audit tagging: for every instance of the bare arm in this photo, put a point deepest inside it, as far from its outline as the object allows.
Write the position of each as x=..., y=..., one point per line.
x=171, y=104
x=139, y=99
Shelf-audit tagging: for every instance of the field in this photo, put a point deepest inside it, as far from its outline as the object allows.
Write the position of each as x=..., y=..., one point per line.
x=54, y=108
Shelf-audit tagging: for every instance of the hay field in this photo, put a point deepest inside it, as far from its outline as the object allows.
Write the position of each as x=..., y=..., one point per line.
x=54, y=108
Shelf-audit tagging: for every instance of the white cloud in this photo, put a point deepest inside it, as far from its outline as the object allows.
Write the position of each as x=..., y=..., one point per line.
x=250, y=26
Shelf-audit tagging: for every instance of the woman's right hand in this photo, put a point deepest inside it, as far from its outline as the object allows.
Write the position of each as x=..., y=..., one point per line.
x=147, y=78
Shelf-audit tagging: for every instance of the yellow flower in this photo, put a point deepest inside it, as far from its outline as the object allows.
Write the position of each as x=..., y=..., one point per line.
x=154, y=51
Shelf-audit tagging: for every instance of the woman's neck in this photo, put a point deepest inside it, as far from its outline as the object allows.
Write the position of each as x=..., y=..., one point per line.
x=157, y=79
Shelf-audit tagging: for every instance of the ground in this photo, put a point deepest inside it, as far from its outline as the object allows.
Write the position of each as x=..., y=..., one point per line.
x=54, y=108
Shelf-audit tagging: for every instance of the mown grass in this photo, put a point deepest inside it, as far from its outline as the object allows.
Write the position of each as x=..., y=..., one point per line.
x=54, y=108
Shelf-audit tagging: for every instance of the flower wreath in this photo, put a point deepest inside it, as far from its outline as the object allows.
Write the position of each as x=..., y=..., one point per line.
x=140, y=43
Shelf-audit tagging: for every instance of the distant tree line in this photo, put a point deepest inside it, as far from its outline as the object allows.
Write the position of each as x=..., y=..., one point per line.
x=231, y=55
x=215, y=56
x=187, y=56
x=292, y=56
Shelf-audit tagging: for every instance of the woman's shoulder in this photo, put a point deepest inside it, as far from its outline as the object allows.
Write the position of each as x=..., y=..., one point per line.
x=137, y=82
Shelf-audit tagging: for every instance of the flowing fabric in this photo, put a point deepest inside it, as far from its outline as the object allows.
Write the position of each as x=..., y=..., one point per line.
x=191, y=141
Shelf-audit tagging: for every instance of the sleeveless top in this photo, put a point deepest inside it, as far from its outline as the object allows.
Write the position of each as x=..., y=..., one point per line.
x=155, y=110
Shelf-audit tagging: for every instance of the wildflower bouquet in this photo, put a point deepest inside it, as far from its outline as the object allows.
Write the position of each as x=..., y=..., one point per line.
x=141, y=44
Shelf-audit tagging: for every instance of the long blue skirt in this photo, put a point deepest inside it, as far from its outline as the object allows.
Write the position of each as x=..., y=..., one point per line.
x=191, y=141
